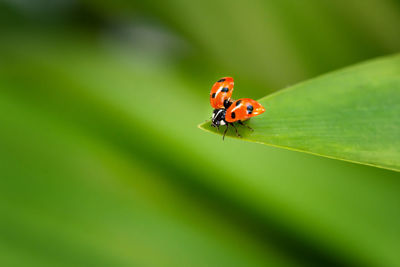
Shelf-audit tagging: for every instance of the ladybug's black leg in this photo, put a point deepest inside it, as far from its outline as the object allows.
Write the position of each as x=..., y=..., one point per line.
x=237, y=133
x=223, y=137
x=245, y=125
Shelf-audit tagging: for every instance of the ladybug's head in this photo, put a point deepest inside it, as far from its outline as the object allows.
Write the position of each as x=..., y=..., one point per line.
x=218, y=117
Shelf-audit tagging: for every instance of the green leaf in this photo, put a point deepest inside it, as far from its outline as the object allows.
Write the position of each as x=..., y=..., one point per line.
x=351, y=114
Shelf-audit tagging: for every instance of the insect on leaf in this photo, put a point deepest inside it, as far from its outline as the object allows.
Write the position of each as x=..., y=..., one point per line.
x=352, y=114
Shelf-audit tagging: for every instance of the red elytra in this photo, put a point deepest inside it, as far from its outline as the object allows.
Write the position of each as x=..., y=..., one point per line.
x=221, y=92
x=243, y=109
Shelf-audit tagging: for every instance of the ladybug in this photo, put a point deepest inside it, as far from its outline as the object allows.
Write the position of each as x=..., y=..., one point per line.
x=227, y=111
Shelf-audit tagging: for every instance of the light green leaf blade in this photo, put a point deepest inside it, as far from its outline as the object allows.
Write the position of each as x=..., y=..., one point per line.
x=351, y=114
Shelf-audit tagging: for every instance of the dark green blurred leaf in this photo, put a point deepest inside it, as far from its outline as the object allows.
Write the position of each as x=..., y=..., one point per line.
x=352, y=114
x=272, y=44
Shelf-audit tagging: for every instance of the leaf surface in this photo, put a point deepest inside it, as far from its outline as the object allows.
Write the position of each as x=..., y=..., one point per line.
x=352, y=114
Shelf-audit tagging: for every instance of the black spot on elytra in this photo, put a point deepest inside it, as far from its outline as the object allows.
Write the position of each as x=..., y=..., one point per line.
x=233, y=115
x=238, y=102
x=220, y=81
x=249, y=109
x=225, y=89
x=213, y=95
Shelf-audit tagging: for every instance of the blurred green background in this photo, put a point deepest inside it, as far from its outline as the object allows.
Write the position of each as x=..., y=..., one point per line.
x=102, y=163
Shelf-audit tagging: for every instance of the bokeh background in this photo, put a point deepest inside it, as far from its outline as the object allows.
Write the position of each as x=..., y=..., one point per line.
x=102, y=163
